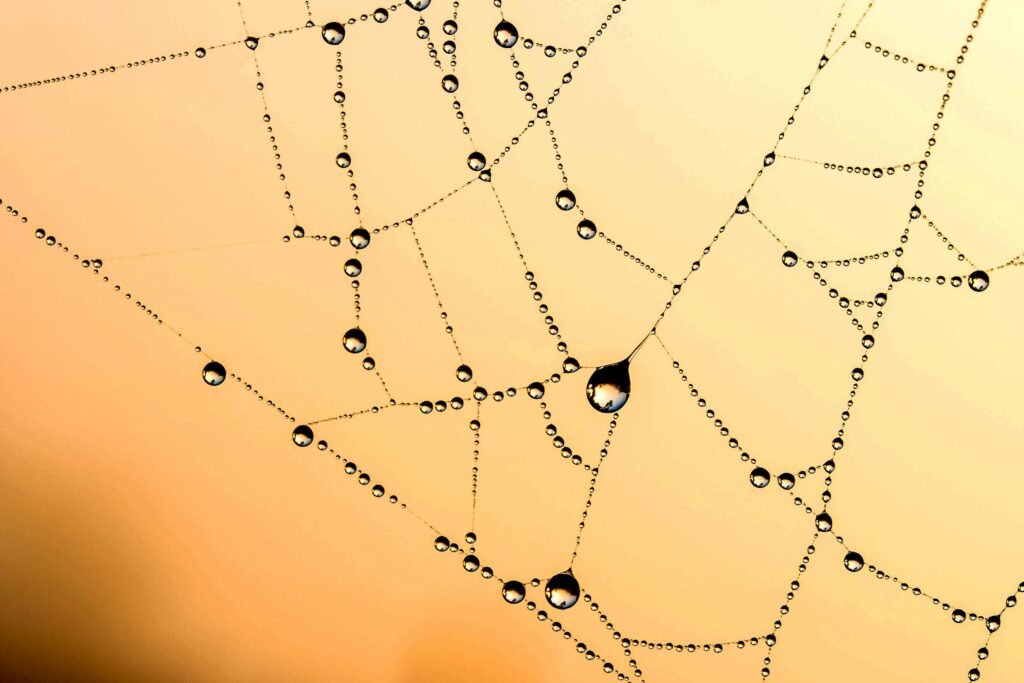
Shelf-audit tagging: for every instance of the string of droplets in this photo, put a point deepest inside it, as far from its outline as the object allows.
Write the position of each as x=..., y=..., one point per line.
x=214, y=375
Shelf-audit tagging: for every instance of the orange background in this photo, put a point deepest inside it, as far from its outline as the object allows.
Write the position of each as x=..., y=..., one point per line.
x=154, y=528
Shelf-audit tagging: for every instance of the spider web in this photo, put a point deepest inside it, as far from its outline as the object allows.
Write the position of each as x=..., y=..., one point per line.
x=472, y=240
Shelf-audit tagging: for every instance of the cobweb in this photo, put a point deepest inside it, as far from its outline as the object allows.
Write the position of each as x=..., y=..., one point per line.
x=470, y=255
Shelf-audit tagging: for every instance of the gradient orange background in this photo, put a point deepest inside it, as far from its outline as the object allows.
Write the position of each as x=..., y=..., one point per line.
x=154, y=528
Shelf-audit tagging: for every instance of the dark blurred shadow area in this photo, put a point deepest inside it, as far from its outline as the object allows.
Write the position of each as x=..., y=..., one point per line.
x=77, y=595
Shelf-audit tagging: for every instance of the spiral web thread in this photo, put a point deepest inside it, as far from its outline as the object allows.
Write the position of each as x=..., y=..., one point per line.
x=623, y=665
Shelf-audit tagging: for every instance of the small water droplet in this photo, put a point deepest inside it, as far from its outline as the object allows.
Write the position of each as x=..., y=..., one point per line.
x=978, y=281
x=586, y=229
x=759, y=477
x=214, y=373
x=505, y=34
x=354, y=340
x=789, y=259
x=853, y=561
x=333, y=33
x=565, y=200
x=302, y=436
x=513, y=591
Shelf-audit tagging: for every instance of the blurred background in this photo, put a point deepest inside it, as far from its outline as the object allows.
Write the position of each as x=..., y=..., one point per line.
x=156, y=528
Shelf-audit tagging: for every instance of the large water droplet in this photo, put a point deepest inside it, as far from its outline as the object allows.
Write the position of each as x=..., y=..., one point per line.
x=505, y=34
x=333, y=33
x=214, y=373
x=418, y=5
x=608, y=387
x=562, y=590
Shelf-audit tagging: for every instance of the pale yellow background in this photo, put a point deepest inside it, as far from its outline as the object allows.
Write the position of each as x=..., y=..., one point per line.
x=153, y=528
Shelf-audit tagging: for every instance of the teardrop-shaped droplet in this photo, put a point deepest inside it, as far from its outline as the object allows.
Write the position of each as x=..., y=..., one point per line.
x=743, y=206
x=418, y=5
x=214, y=373
x=505, y=34
x=252, y=43
x=562, y=590
x=333, y=33
x=608, y=387
x=769, y=158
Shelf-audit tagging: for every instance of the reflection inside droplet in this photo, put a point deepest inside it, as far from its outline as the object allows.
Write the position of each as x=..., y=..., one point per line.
x=608, y=387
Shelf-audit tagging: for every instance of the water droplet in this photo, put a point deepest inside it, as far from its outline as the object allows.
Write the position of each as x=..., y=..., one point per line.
x=214, y=373
x=298, y=232
x=867, y=341
x=359, y=238
x=743, y=206
x=853, y=561
x=471, y=563
x=608, y=387
x=513, y=591
x=586, y=229
x=974, y=674
x=570, y=365
x=562, y=590
x=426, y=407
x=441, y=544
x=339, y=96
x=344, y=160
x=759, y=477
x=978, y=281
x=353, y=267
x=354, y=340
x=476, y=161
x=252, y=43
x=333, y=33
x=450, y=83
x=959, y=616
x=302, y=436
x=505, y=34
x=769, y=159
x=565, y=200
x=418, y=5
x=823, y=522
x=992, y=623
x=915, y=211
x=200, y=52
x=380, y=15
x=369, y=363
x=535, y=390
x=786, y=481
x=464, y=373
x=789, y=259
